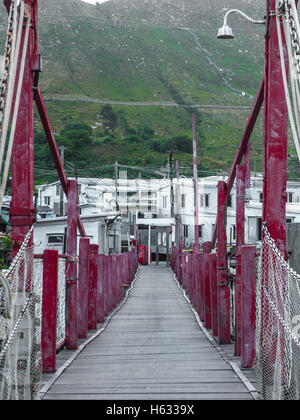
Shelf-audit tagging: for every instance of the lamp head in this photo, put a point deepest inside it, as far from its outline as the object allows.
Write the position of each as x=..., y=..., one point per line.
x=225, y=32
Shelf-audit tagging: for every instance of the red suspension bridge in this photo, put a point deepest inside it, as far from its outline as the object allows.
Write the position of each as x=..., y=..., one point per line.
x=150, y=333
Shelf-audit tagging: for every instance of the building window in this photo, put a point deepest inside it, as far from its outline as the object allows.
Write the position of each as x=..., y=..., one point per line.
x=58, y=189
x=186, y=231
x=259, y=228
x=47, y=201
x=55, y=239
x=165, y=201
x=289, y=220
x=183, y=201
x=204, y=200
x=289, y=197
x=229, y=201
x=233, y=232
x=200, y=231
x=261, y=197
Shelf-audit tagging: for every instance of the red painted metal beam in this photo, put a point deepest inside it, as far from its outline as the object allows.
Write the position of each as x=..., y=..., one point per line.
x=24, y=142
x=71, y=269
x=83, y=287
x=100, y=286
x=93, y=287
x=22, y=210
x=275, y=136
x=206, y=284
x=243, y=145
x=42, y=110
x=248, y=166
x=222, y=270
x=49, y=310
x=240, y=241
x=213, y=292
x=248, y=301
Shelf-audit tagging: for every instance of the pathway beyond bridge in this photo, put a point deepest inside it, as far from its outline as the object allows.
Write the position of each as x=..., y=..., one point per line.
x=152, y=349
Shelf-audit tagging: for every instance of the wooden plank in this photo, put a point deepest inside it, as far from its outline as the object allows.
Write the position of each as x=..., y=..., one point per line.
x=150, y=397
x=153, y=349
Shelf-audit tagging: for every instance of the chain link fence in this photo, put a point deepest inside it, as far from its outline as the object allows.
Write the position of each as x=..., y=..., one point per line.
x=278, y=324
x=20, y=327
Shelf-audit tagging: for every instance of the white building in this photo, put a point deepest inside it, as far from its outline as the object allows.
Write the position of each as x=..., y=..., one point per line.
x=148, y=203
x=103, y=230
x=207, y=203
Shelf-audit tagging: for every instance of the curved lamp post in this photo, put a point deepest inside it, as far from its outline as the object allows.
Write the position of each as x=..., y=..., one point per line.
x=225, y=32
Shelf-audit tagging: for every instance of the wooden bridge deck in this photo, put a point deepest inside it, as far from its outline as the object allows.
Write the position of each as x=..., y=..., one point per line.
x=152, y=349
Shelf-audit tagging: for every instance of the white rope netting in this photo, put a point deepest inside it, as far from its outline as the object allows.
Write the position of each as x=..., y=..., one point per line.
x=12, y=82
x=278, y=324
x=288, y=25
x=20, y=328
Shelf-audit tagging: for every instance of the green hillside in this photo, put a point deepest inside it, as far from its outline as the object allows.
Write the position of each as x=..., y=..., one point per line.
x=147, y=52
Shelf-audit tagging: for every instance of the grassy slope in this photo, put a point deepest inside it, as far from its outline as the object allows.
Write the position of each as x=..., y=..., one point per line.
x=93, y=56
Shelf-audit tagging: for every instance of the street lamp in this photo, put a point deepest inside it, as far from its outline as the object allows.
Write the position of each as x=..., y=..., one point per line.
x=225, y=32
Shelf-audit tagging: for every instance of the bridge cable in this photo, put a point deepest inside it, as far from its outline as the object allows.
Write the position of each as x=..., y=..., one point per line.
x=292, y=35
x=13, y=82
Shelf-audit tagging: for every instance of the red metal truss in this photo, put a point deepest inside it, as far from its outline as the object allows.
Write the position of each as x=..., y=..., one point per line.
x=41, y=107
x=243, y=144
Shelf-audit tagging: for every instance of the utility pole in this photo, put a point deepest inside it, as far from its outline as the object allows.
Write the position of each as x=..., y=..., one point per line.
x=170, y=172
x=61, y=192
x=195, y=166
x=116, y=185
x=179, y=240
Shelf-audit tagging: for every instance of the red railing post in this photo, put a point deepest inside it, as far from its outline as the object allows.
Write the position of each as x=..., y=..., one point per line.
x=49, y=310
x=213, y=293
x=206, y=284
x=193, y=279
x=200, y=286
x=93, y=285
x=100, y=292
x=109, y=283
x=105, y=285
x=248, y=300
x=71, y=269
x=83, y=287
x=184, y=257
x=197, y=281
x=114, y=279
x=119, y=278
x=190, y=279
x=222, y=271
x=240, y=241
x=127, y=280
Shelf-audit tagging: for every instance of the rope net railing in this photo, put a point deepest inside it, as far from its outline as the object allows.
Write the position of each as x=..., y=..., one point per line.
x=278, y=324
x=23, y=329
x=20, y=327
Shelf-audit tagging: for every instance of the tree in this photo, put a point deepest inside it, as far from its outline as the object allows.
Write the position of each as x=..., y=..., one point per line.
x=109, y=117
x=181, y=143
x=77, y=138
